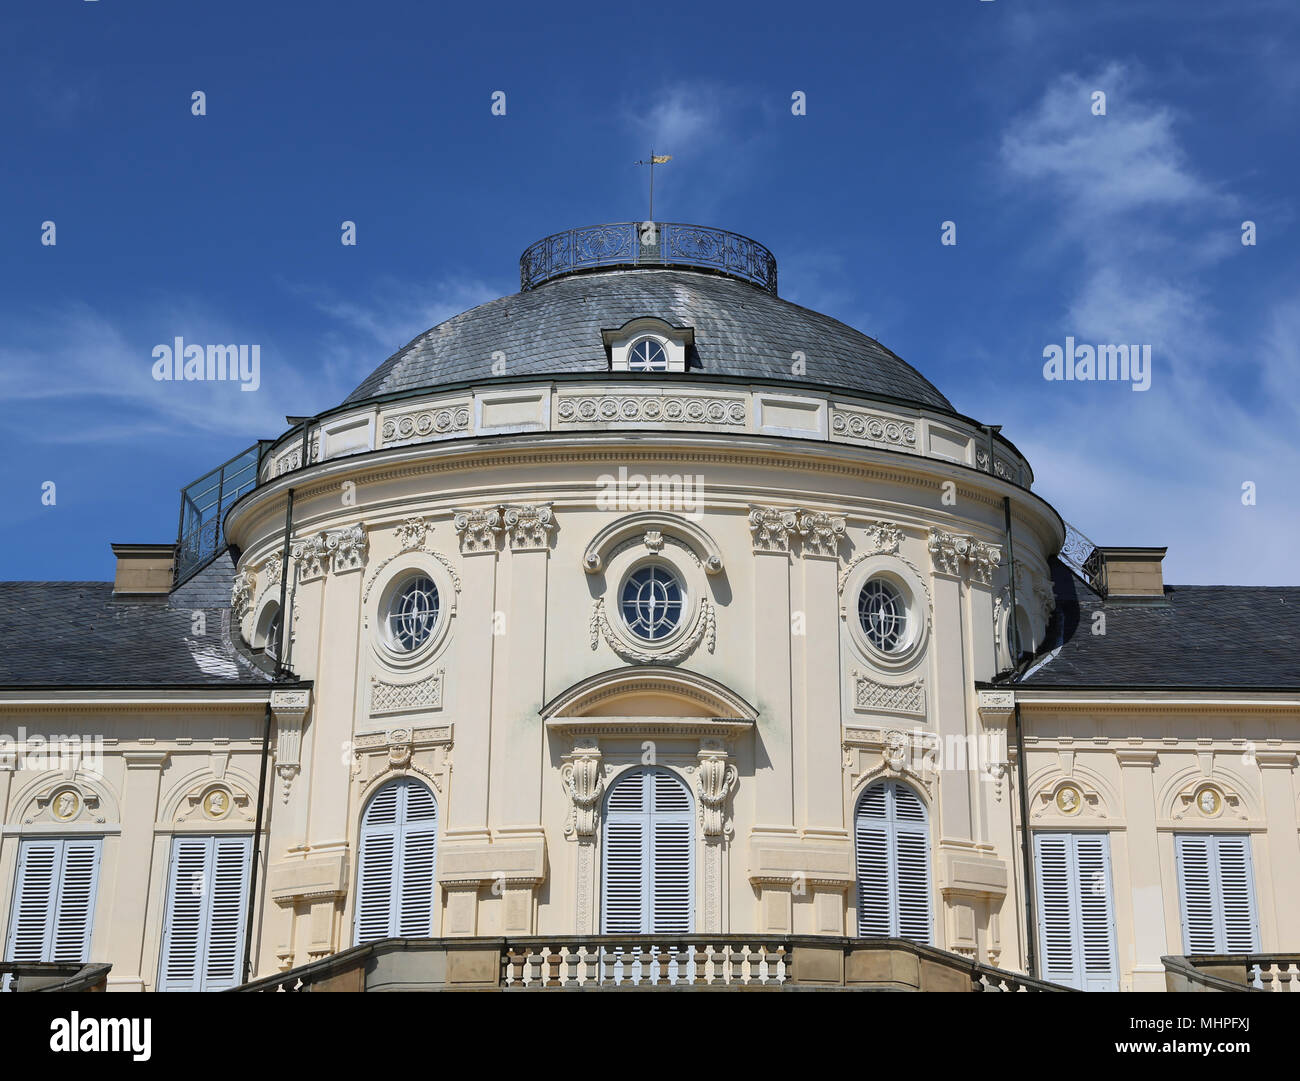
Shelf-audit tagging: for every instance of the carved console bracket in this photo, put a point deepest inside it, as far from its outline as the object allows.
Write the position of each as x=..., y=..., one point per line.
x=289, y=708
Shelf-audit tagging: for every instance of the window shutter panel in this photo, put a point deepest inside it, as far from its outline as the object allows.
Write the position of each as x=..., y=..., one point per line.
x=892, y=852
x=375, y=886
x=1058, y=930
x=1237, y=891
x=203, y=929
x=913, y=884
x=1196, y=892
x=1216, y=885
x=671, y=891
x=227, y=904
x=32, y=917
x=875, y=880
x=623, y=907
x=1076, y=919
x=416, y=890
x=187, y=886
x=75, y=909
x=1096, y=912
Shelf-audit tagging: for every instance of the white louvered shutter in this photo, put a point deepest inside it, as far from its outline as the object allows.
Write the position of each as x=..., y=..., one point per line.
x=892, y=850
x=397, y=868
x=672, y=842
x=54, y=900
x=205, y=921
x=1076, y=918
x=227, y=910
x=647, y=880
x=875, y=873
x=187, y=883
x=1217, y=893
x=419, y=849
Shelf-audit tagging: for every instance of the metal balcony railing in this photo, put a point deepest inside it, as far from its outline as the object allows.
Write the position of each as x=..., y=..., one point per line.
x=1084, y=558
x=647, y=244
x=203, y=507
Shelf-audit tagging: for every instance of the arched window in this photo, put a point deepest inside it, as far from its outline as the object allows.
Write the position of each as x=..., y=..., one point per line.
x=647, y=876
x=395, y=872
x=892, y=841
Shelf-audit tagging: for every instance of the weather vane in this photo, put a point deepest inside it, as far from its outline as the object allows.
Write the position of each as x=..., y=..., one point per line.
x=661, y=159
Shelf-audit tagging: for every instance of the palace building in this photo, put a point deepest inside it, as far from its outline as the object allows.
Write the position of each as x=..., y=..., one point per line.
x=645, y=628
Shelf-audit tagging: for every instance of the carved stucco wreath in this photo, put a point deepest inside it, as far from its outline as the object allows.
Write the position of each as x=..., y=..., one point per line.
x=702, y=629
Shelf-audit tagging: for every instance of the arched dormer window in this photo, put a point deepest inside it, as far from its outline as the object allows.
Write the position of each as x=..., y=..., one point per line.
x=648, y=344
x=892, y=842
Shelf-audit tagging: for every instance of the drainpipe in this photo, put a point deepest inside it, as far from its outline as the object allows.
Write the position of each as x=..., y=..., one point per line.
x=257, y=848
x=284, y=587
x=1026, y=847
x=266, y=745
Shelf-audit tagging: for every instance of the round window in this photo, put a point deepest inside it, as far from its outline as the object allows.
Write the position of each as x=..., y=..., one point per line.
x=647, y=355
x=883, y=615
x=652, y=602
x=412, y=613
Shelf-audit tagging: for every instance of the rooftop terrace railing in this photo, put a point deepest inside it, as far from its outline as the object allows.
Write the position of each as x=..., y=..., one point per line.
x=647, y=244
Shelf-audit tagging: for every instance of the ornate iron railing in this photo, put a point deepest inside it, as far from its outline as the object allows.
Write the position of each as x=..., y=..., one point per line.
x=1084, y=558
x=640, y=244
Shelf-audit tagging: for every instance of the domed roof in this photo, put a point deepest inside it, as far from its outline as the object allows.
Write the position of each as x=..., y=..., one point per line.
x=740, y=329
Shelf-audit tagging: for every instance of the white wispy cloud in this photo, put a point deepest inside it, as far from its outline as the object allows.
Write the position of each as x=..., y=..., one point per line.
x=87, y=376
x=1142, y=233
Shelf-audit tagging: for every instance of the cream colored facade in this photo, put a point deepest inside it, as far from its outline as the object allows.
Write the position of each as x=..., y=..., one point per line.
x=528, y=505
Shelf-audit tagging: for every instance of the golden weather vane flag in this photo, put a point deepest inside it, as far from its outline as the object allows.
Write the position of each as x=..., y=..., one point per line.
x=652, y=161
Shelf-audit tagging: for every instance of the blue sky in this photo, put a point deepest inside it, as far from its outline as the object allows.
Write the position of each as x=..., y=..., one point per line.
x=225, y=228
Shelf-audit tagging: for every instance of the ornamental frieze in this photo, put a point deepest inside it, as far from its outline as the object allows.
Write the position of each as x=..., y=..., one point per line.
x=871, y=428
x=424, y=424
x=395, y=697
x=871, y=696
x=646, y=408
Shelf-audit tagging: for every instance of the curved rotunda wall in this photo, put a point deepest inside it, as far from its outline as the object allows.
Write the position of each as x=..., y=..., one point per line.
x=528, y=540
x=509, y=481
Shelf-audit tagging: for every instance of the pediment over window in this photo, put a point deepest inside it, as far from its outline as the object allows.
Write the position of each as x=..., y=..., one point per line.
x=649, y=700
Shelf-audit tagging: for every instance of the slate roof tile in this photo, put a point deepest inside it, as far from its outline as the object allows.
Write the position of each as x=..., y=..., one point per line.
x=740, y=330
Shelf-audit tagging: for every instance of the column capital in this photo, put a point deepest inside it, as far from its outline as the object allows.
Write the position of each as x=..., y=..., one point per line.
x=478, y=529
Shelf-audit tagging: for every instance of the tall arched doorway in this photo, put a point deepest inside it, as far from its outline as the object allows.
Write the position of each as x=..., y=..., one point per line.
x=396, y=885
x=648, y=864
x=892, y=842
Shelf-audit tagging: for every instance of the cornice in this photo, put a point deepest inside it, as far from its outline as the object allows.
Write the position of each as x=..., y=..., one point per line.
x=541, y=448
x=1153, y=701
